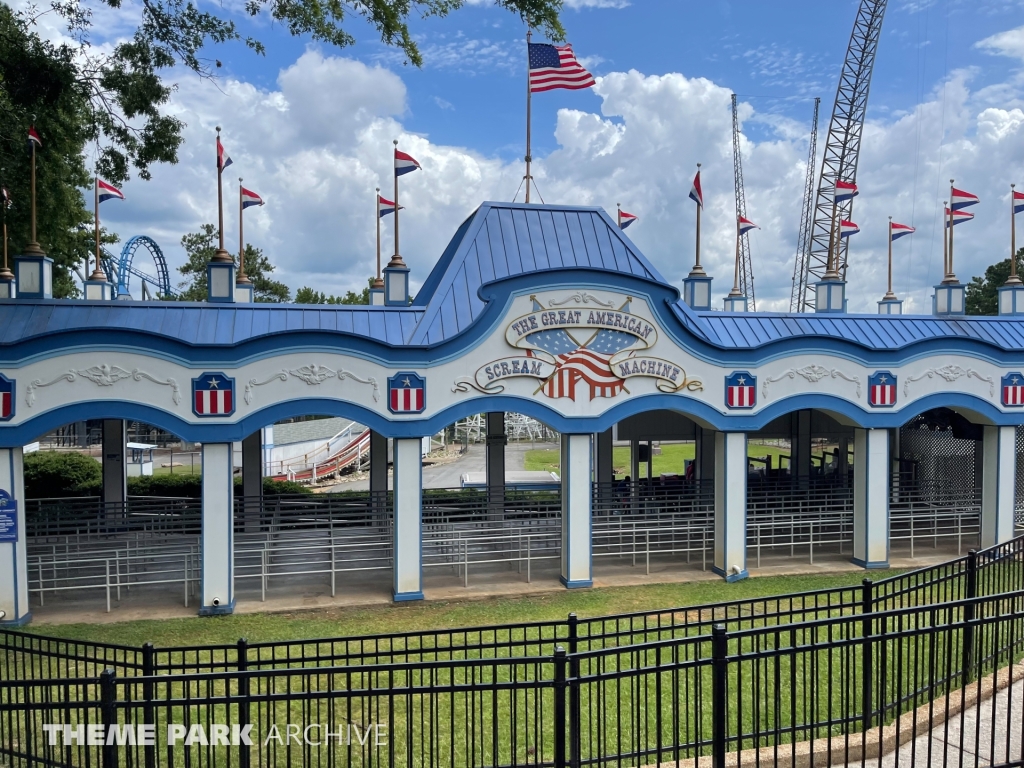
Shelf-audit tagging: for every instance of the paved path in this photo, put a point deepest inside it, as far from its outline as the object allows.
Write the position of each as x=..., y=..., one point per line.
x=991, y=734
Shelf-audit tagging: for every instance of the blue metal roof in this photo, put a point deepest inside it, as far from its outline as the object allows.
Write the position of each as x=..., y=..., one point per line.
x=503, y=240
x=202, y=324
x=890, y=332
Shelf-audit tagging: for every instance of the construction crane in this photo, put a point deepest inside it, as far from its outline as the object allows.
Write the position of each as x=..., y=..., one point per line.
x=803, y=243
x=746, y=268
x=842, y=146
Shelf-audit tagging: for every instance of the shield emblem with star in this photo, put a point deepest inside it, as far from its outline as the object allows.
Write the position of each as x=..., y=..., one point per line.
x=882, y=389
x=407, y=393
x=213, y=394
x=740, y=390
x=1013, y=390
x=6, y=398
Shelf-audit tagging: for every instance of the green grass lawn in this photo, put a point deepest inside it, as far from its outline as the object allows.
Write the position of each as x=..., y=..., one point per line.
x=669, y=461
x=385, y=619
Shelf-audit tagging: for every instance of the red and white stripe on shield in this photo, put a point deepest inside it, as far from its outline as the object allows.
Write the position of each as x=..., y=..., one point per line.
x=1013, y=394
x=213, y=401
x=741, y=396
x=6, y=404
x=883, y=394
x=407, y=399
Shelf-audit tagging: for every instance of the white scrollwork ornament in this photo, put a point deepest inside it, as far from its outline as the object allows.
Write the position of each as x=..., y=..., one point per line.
x=811, y=373
x=950, y=373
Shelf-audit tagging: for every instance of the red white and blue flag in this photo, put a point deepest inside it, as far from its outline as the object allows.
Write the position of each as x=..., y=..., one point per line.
x=385, y=206
x=407, y=393
x=901, y=230
x=6, y=398
x=625, y=219
x=33, y=137
x=250, y=198
x=108, y=191
x=958, y=199
x=745, y=225
x=695, y=191
x=740, y=390
x=405, y=163
x=213, y=394
x=582, y=365
x=882, y=389
x=959, y=217
x=223, y=161
x=845, y=190
x=1013, y=390
x=555, y=66
x=5, y=197
x=1018, y=202
x=847, y=228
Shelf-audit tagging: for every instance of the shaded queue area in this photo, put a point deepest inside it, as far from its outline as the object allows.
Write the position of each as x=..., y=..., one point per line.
x=657, y=498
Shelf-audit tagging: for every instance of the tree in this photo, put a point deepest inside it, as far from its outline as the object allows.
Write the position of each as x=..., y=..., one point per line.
x=306, y=295
x=983, y=293
x=199, y=249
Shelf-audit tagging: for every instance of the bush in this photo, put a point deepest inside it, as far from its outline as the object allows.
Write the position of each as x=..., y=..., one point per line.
x=49, y=474
x=272, y=487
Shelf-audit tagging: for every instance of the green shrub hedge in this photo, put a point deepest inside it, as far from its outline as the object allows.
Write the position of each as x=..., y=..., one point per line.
x=49, y=474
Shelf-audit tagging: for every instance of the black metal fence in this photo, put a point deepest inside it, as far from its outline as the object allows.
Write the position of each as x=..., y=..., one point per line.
x=839, y=675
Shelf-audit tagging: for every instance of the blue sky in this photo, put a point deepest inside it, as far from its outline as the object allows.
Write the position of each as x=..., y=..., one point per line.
x=310, y=129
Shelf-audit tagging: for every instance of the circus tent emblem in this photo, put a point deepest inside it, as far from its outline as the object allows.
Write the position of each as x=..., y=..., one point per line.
x=580, y=353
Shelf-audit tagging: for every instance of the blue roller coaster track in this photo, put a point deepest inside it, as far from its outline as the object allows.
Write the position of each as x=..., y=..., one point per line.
x=120, y=269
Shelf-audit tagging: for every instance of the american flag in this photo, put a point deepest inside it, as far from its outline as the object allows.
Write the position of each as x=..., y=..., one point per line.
x=213, y=395
x=575, y=364
x=555, y=66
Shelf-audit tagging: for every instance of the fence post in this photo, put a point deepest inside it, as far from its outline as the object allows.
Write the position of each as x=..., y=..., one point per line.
x=242, y=659
x=560, y=664
x=867, y=665
x=719, y=682
x=968, y=635
x=108, y=716
x=148, y=715
x=574, y=693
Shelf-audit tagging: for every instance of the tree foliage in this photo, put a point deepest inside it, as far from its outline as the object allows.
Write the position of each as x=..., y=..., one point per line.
x=199, y=249
x=983, y=292
x=49, y=474
x=306, y=295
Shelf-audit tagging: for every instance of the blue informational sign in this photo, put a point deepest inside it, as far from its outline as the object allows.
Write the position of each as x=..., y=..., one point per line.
x=8, y=517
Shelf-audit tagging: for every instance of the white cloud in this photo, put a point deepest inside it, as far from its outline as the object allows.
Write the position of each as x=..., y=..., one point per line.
x=317, y=145
x=1009, y=43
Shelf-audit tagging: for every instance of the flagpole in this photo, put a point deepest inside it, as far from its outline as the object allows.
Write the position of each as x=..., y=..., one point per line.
x=241, y=276
x=96, y=220
x=889, y=293
x=397, y=257
x=33, y=245
x=5, y=273
x=376, y=214
x=736, y=266
x=831, y=236
x=529, y=95
x=952, y=277
x=697, y=269
x=945, y=242
x=1013, y=279
x=220, y=255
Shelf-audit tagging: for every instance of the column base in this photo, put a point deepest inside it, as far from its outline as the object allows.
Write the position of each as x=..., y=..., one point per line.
x=16, y=622
x=870, y=564
x=730, y=577
x=576, y=583
x=217, y=610
x=406, y=597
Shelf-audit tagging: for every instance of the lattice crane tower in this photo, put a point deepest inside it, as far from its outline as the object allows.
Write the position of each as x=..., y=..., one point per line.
x=746, y=268
x=803, y=243
x=842, y=146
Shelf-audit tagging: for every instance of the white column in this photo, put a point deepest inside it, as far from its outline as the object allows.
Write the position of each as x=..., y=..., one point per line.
x=408, y=541
x=998, y=484
x=871, y=498
x=731, y=505
x=13, y=561
x=218, y=556
x=577, y=568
